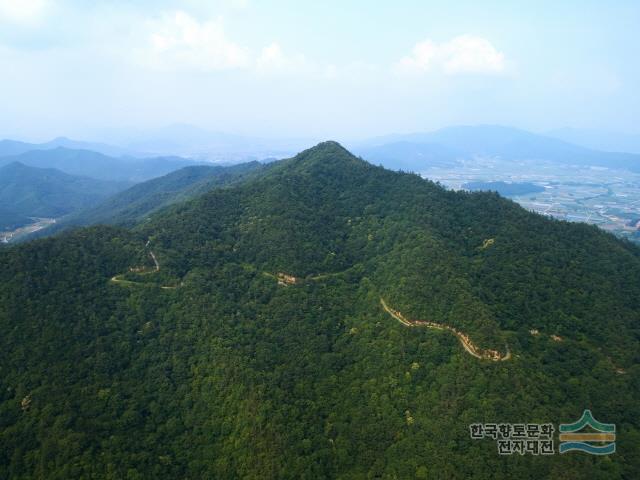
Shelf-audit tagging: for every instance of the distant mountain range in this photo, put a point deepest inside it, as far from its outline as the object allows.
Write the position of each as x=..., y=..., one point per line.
x=181, y=140
x=97, y=165
x=190, y=141
x=598, y=140
x=27, y=192
x=418, y=151
x=413, y=156
x=413, y=151
x=14, y=147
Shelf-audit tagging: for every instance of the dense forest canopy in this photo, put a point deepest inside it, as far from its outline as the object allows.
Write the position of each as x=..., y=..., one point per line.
x=240, y=334
x=137, y=203
x=47, y=192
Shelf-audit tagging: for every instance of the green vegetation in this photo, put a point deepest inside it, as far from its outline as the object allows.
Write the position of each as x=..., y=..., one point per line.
x=138, y=202
x=504, y=188
x=10, y=220
x=39, y=192
x=234, y=375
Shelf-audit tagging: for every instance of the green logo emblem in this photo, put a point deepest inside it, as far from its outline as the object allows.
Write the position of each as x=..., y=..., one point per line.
x=601, y=440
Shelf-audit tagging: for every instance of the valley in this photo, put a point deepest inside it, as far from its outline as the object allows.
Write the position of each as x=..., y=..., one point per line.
x=604, y=197
x=19, y=233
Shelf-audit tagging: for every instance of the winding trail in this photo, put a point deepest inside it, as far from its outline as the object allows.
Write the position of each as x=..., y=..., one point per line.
x=284, y=279
x=464, y=339
x=144, y=271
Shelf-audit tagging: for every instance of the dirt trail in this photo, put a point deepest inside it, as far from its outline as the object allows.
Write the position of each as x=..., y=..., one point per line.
x=464, y=339
x=284, y=279
x=155, y=260
x=143, y=271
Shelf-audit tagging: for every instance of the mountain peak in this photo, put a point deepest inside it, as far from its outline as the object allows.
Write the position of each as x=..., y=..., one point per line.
x=328, y=155
x=326, y=152
x=61, y=140
x=15, y=165
x=328, y=146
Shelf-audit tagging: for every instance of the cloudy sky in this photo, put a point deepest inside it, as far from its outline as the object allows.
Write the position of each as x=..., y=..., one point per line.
x=339, y=69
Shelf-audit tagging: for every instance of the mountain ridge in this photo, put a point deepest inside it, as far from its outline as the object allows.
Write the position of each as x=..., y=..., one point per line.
x=96, y=165
x=510, y=144
x=245, y=335
x=139, y=201
x=47, y=192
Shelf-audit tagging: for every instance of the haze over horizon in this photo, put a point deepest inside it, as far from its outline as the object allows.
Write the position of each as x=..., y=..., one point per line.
x=286, y=70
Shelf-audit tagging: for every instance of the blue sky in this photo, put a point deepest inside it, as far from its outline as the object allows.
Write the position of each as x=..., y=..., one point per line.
x=316, y=69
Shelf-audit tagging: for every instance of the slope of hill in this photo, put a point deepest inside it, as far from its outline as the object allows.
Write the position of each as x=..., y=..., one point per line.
x=513, y=144
x=96, y=165
x=14, y=147
x=138, y=202
x=10, y=220
x=40, y=192
x=242, y=335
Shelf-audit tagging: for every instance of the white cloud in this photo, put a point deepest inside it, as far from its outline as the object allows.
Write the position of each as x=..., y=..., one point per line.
x=273, y=59
x=462, y=54
x=179, y=41
x=24, y=12
x=470, y=54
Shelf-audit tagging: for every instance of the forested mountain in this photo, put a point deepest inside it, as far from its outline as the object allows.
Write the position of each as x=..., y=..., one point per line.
x=139, y=201
x=507, y=143
x=506, y=189
x=46, y=192
x=267, y=330
x=96, y=165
